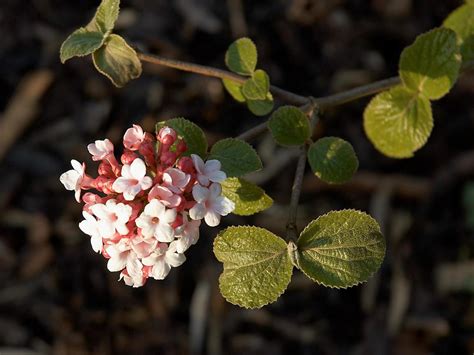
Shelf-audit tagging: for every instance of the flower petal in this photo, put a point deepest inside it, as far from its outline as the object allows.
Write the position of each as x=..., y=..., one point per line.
x=200, y=193
x=198, y=211
x=138, y=169
x=212, y=218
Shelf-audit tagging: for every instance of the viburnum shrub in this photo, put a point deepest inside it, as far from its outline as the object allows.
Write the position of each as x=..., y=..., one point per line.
x=143, y=211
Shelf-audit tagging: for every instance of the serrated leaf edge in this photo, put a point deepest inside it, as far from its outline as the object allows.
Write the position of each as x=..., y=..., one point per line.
x=283, y=251
x=240, y=140
x=64, y=60
x=358, y=282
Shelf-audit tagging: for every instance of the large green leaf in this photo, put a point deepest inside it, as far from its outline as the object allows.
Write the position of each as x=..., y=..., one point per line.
x=241, y=57
x=289, y=126
x=193, y=136
x=248, y=198
x=105, y=16
x=333, y=160
x=461, y=21
x=117, y=61
x=257, y=87
x=236, y=156
x=81, y=43
x=431, y=64
x=398, y=122
x=341, y=249
x=257, y=268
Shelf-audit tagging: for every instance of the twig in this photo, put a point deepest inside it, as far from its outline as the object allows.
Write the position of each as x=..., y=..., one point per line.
x=253, y=132
x=291, y=228
x=286, y=96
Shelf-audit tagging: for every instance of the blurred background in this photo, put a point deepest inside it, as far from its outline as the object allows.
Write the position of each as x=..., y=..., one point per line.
x=56, y=295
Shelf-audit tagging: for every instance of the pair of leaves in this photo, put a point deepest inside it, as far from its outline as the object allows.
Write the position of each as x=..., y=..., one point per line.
x=400, y=121
x=340, y=249
x=112, y=56
x=241, y=58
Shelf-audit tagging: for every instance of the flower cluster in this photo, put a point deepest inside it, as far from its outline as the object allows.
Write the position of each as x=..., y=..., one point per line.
x=146, y=209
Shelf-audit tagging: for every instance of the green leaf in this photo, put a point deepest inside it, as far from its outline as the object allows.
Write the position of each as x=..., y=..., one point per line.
x=105, y=16
x=191, y=133
x=431, y=64
x=234, y=89
x=398, y=122
x=289, y=126
x=333, y=160
x=236, y=156
x=341, y=249
x=80, y=43
x=461, y=21
x=261, y=107
x=257, y=87
x=257, y=269
x=117, y=61
x=248, y=198
x=241, y=57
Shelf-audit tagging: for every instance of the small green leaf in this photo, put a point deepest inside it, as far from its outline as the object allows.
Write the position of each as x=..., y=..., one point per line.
x=191, y=133
x=257, y=269
x=236, y=156
x=431, y=64
x=105, y=16
x=261, y=107
x=341, y=249
x=257, y=87
x=461, y=21
x=234, y=89
x=117, y=61
x=81, y=43
x=333, y=160
x=398, y=122
x=241, y=57
x=289, y=126
x=248, y=198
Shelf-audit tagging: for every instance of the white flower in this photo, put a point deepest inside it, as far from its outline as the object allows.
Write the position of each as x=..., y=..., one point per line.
x=209, y=171
x=130, y=281
x=100, y=149
x=133, y=180
x=113, y=217
x=210, y=204
x=72, y=179
x=187, y=234
x=143, y=247
x=90, y=226
x=123, y=257
x=155, y=221
x=175, y=180
x=163, y=259
x=133, y=137
x=165, y=196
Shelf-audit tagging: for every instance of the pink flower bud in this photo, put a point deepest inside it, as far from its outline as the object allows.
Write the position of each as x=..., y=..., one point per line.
x=128, y=157
x=186, y=165
x=105, y=169
x=181, y=147
x=168, y=158
x=166, y=136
